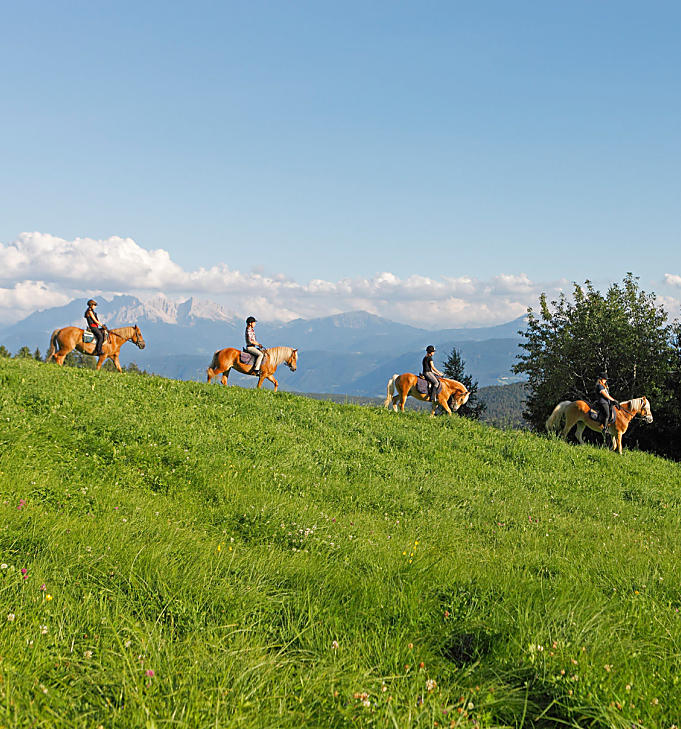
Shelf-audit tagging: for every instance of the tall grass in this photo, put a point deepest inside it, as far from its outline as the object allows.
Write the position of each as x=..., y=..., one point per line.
x=205, y=557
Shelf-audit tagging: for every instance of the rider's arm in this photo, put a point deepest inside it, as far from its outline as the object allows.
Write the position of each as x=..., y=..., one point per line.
x=437, y=371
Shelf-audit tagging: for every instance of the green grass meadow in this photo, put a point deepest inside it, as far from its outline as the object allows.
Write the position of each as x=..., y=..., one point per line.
x=175, y=554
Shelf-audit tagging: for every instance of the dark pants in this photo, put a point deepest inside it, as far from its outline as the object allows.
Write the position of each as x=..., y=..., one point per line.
x=434, y=384
x=605, y=406
x=99, y=338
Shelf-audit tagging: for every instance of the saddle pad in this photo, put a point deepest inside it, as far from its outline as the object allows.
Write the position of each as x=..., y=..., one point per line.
x=88, y=337
x=597, y=416
x=422, y=385
x=246, y=358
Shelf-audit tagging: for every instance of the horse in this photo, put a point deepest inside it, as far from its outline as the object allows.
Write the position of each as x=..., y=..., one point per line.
x=226, y=359
x=67, y=339
x=405, y=384
x=577, y=413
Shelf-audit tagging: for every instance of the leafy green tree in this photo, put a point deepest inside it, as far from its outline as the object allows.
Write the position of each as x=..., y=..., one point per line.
x=4, y=352
x=23, y=353
x=37, y=354
x=454, y=368
x=569, y=342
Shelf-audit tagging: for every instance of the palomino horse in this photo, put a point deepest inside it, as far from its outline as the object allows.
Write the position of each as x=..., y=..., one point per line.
x=226, y=359
x=577, y=413
x=67, y=339
x=405, y=384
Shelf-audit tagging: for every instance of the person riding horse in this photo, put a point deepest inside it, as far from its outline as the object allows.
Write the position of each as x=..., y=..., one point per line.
x=95, y=326
x=253, y=346
x=430, y=372
x=604, y=400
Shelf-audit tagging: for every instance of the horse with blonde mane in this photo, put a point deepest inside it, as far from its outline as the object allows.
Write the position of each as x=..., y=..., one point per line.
x=451, y=397
x=579, y=413
x=226, y=359
x=67, y=339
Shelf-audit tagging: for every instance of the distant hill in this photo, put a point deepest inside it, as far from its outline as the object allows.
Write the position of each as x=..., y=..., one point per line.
x=352, y=353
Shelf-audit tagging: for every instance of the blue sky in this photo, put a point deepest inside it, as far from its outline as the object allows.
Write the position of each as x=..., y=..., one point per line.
x=319, y=140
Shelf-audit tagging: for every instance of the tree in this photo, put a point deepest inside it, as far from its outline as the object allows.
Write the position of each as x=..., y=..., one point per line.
x=454, y=368
x=4, y=352
x=23, y=353
x=569, y=342
x=38, y=355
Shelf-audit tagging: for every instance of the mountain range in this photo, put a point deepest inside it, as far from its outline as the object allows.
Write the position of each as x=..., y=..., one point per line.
x=353, y=353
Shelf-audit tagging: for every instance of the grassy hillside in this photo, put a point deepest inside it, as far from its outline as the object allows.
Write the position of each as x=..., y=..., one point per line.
x=175, y=554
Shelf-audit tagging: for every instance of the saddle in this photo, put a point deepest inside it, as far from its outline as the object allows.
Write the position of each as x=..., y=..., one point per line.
x=246, y=358
x=596, y=415
x=422, y=386
x=89, y=337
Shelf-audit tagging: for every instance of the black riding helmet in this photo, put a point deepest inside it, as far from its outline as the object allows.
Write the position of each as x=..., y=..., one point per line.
x=92, y=302
x=251, y=320
x=430, y=349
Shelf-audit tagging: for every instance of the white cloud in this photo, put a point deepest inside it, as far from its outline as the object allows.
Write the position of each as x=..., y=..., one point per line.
x=672, y=279
x=42, y=270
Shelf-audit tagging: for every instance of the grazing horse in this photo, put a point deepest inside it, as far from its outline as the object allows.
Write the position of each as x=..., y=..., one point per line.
x=405, y=384
x=577, y=413
x=226, y=359
x=67, y=339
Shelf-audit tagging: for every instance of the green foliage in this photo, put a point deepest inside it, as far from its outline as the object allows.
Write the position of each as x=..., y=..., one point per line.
x=228, y=557
x=504, y=404
x=455, y=369
x=4, y=352
x=569, y=342
x=23, y=353
x=37, y=355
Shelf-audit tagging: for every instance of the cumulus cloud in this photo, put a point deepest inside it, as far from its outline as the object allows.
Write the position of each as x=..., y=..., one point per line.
x=41, y=270
x=672, y=279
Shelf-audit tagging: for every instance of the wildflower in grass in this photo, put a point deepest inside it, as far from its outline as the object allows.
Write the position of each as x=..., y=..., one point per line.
x=422, y=665
x=24, y=571
x=431, y=685
x=410, y=646
x=87, y=654
x=335, y=645
x=42, y=587
x=10, y=617
x=446, y=613
x=127, y=643
x=150, y=672
x=607, y=667
x=3, y=566
x=48, y=597
x=43, y=629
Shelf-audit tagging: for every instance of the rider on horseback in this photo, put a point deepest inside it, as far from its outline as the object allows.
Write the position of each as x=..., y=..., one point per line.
x=430, y=372
x=253, y=346
x=95, y=326
x=604, y=400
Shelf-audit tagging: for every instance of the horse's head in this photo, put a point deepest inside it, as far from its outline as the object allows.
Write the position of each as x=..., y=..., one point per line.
x=292, y=361
x=645, y=411
x=138, y=339
x=459, y=396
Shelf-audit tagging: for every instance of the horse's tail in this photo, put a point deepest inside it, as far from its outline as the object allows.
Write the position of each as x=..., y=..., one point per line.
x=554, y=420
x=54, y=345
x=214, y=364
x=390, y=391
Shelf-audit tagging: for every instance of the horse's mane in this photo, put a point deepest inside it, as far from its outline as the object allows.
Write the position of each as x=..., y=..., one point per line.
x=123, y=332
x=278, y=355
x=634, y=405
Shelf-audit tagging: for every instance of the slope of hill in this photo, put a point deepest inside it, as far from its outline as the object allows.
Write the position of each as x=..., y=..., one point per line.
x=174, y=553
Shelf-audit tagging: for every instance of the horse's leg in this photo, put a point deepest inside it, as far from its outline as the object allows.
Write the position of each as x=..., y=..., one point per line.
x=580, y=431
x=224, y=377
x=440, y=401
x=569, y=425
x=116, y=361
x=100, y=361
x=395, y=401
x=271, y=379
x=404, y=394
